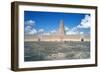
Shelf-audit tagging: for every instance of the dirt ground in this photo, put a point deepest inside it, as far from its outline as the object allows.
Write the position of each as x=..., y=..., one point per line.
x=41, y=51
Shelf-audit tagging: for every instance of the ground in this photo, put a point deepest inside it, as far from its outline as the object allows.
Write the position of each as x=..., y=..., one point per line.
x=41, y=51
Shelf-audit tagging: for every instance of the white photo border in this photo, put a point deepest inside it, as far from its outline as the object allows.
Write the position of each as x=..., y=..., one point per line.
x=34, y=64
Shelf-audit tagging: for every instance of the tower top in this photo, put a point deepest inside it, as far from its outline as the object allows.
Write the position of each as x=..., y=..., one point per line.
x=61, y=28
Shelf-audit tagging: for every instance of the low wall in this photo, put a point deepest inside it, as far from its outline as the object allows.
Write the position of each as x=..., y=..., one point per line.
x=58, y=38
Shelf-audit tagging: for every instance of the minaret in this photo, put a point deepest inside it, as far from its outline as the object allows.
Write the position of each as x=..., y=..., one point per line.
x=61, y=28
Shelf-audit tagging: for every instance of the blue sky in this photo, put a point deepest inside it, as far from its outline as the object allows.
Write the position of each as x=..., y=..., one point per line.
x=48, y=22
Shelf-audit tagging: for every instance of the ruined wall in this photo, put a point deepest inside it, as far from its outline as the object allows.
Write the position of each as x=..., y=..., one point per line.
x=57, y=38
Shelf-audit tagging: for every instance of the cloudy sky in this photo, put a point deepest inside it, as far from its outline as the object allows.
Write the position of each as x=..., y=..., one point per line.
x=47, y=23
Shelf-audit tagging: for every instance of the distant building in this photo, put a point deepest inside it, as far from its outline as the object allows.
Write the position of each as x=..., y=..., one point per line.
x=59, y=36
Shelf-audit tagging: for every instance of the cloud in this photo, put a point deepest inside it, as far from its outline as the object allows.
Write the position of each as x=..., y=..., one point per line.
x=29, y=30
x=33, y=31
x=85, y=23
x=29, y=27
x=53, y=31
x=46, y=33
x=81, y=32
x=72, y=31
x=66, y=28
x=30, y=22
x=41, y=30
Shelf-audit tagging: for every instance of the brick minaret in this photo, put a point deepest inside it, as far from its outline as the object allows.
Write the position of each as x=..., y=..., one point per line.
x=61, y=28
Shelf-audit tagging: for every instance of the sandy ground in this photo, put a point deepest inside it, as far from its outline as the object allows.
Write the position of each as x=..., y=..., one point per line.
x=41, y=51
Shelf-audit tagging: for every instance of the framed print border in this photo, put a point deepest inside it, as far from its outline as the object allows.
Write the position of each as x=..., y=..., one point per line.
x=15, y=35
